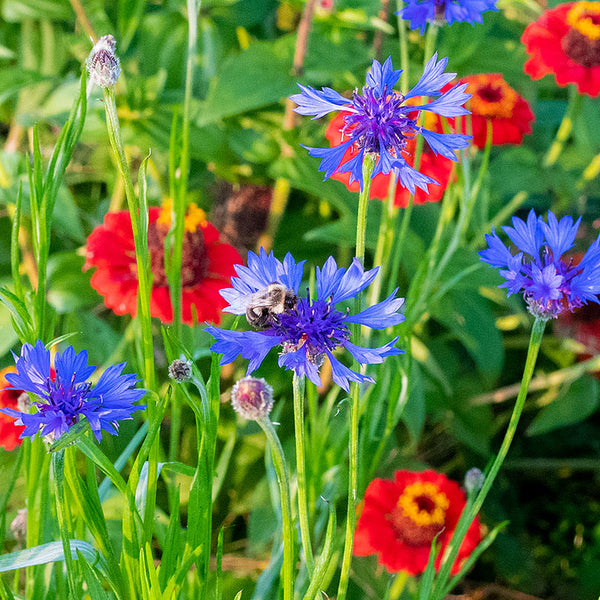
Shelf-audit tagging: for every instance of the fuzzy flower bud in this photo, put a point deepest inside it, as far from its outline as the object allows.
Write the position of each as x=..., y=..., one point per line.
x=180, y=370
x=474, y=479
x=102, y=64
x=252, y=398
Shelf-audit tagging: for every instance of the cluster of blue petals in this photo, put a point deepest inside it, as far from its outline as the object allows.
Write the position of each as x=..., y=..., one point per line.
x=550, y=284
x=421, y=12
x=66, y=395
x=316, y=328
x=379, y=122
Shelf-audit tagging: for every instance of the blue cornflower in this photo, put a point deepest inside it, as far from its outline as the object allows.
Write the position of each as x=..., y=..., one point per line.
x=421, y=12
x=380, y=124
x=65, y=395
x=307, y=330
x=550, y=284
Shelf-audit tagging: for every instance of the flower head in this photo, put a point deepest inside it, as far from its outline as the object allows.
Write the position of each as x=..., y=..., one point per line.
x=565, y=42
x=9, y=398
x=440, y=169
x=380, y=123
x=206, y=267
x=549, y=283
x=180, y=370
x=103, y=64
x=401, y=517
x=64, y=398
x=421, y=12
x=307, y=330
x=252, y=397
x=493, y=101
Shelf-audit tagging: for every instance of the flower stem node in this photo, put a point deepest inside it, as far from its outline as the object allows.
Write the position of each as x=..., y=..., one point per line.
x=252, y=398
x=180, y=370
x=103, y=64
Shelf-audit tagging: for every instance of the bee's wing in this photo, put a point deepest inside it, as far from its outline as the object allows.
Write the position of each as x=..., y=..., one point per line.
x=240, y=302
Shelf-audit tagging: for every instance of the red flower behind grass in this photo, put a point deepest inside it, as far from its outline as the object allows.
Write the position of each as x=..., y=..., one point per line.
x=437, y=167
x=207, y=265
x=401, y=517
x=565, y=42
x=9, y=398
x=494, y=101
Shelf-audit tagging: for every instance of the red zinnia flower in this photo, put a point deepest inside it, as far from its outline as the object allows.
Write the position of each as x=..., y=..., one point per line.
x=565, y=41
x=9, y=398
x=207, y=265
x=496, y=102
x=401, y=517
x=437, y=167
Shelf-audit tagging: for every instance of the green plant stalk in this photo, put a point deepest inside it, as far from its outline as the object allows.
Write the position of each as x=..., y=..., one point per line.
x=537, y=332
x=298, y=385
x=283, y=482
x=403, y=40
x=361, y=226
x=139, y=237
x=64, y=519
x=565, y=128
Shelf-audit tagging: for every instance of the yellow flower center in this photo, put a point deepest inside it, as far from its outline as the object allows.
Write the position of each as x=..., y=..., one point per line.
x=194, y=218
x=492, y=97
x=424, y=504
x=584, y=17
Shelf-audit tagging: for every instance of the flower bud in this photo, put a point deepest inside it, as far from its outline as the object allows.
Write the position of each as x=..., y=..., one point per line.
x=252, y=398
x=180, y=370
x=474, y=479
x=102, y=63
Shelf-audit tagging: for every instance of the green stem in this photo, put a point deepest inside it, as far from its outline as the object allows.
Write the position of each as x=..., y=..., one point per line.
x=403, y=39
x=361, y=225
x=140, y=237
x=64, y=519
x=299, y=387
x=471, y=511
x=283, y=482
x=565, y=128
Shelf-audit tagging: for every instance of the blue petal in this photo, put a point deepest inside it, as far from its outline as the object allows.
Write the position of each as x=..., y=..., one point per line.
x=449, y=104
x=560, y=236
x=328, y=279
x=497, y=255
x=411, y=178
x=353, y=281
x=251, y=345
x=433, y=78
x=373, y=356
x=381, y=315
x=342, y=375
x=418, y=13
x=355, y=167
x=445, y=143
x=299, y=363
x=382, y=79
x=331, y=157
x=319, y=103
x=33, y=369
x=527, y=237
x=72, y=368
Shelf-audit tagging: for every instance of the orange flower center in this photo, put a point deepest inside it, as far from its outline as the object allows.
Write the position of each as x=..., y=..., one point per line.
x=492, y=97
x=420, y=513
x=582, y=41
x=194, y=260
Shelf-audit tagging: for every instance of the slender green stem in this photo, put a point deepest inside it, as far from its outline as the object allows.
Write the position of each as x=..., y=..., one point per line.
x=361, y=225
x=403, y=39
x=139, y=236
x=471, y=511
x=64, y=519
x=283, y=481
x=299, y=387
x=565, y=128
x=398, y=585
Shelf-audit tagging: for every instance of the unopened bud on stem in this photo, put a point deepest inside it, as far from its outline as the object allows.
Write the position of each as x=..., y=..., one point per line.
x=252, y=398
x=103, y=64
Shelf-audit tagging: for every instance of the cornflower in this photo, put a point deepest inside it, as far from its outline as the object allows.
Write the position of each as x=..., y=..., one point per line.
x=379, y=123
x=420, y=12
x=65, y=395
x=307, y=330
x=549, y=283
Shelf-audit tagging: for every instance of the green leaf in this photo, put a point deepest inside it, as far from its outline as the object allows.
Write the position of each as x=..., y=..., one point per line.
x=250, y=79
x=577, y=403
x=46, y=553
x=14, y=79
x=69, y=287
